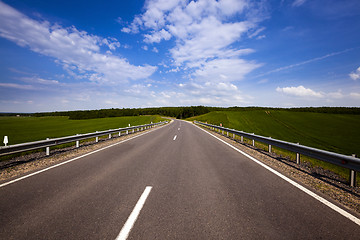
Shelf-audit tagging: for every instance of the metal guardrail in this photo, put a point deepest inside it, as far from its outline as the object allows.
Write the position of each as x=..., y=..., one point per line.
x=24, y=147
x=350, y=162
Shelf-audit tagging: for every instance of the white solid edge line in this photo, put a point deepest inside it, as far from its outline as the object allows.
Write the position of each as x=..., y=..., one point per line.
x=73, y=159
x=124, y=233
x=314, y=195
x=175, y=137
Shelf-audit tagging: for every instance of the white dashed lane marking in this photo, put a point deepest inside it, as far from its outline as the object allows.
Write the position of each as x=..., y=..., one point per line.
x=124, y=233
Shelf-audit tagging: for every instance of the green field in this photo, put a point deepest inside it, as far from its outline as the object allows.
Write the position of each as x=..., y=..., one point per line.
x=333, y=132
x=28, y=129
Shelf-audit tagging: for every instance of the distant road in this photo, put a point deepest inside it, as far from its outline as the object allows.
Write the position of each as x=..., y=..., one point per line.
x=198, y=188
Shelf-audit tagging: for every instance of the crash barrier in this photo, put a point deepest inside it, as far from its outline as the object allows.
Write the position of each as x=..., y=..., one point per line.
x=350, y=162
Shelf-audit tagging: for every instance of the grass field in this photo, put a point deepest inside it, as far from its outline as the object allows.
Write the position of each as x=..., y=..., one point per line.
x=333, y=132
x=28, y=129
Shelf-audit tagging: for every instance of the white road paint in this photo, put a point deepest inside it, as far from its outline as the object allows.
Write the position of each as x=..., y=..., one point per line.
x=68, y=161
x=124, y=233
x=175, y=137
x=178, y=129
x=312, y=194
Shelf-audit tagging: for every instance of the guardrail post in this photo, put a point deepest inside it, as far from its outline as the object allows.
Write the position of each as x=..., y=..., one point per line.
x=133, y=130
x=127, y=132
x=269, y=147
x=109, y=135
x=47, y=149
x=242, y=139
x=227, y=134
x=119, y=133
x=6, y=140
x=77, y=143
x=253, y=141
x=297, y=156
x=353, y=176
x=234, y=135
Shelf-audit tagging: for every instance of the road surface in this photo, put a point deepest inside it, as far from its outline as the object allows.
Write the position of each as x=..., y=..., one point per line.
x=198, y=188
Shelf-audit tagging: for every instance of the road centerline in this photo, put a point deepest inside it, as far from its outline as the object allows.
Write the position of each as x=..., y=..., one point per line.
x=175, y=137
x=125, y=231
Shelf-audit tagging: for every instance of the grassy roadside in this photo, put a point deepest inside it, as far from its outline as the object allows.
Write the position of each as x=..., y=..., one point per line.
x=28, y=129
x=332, y=132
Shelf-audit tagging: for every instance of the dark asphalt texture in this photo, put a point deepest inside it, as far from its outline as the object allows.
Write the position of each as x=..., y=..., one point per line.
x=202, y=189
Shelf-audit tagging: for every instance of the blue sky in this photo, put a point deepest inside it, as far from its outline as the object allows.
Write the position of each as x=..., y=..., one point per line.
x=70, y=55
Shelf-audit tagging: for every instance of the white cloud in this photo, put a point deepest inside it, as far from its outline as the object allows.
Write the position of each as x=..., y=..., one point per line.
x=126, y=30
x=224, y=70
x=300, y=91
x=17, y=86
x=288, y=28
x=156, y=37
x=355, y=95
x=256, y=33
x=39, y=80
x=119, y=20
x=112, y=43
x=138, y=89
x=209, y=39
x=262, y=81
x=204, y=32
x=208, y=93
x=77, y=51
x=355, y=75
x=336, y=95
x=174, y=69
x=304, y=62
x=155, y=12
x=302, y=96
x=298, y=3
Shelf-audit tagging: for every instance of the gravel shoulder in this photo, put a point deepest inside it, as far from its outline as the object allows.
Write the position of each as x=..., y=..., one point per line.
x=22, y=165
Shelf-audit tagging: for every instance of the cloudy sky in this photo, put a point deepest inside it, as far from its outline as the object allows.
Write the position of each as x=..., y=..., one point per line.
x=91, y=54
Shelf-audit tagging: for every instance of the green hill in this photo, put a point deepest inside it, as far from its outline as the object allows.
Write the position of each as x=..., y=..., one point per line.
x=333, y=132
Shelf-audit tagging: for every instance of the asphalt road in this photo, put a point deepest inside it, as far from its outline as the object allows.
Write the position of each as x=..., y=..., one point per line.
x=201, y=189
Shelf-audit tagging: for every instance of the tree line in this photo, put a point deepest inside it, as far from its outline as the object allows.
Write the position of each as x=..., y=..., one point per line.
x=177, y=112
